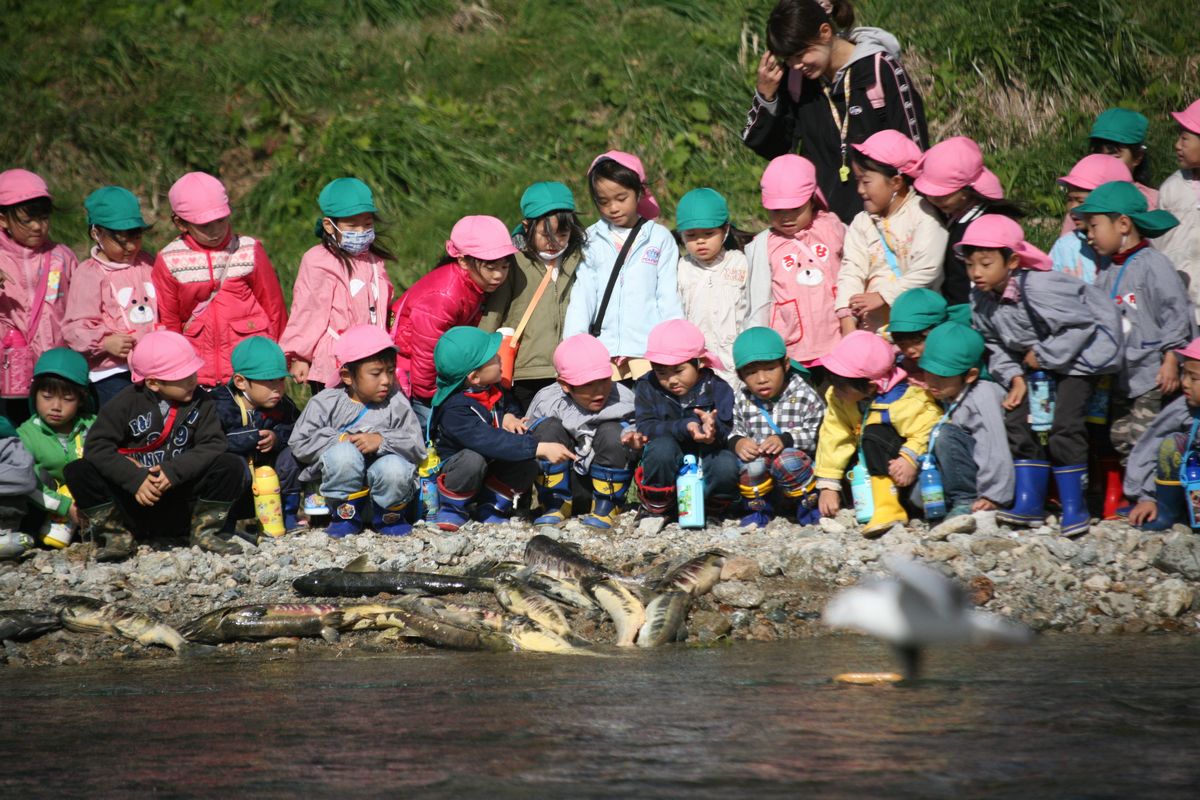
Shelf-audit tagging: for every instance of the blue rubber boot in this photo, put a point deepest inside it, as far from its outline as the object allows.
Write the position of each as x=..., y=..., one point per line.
x=496, y=505
x=554, y=492
x=291, y=512
x=807, y=510
x=1076, y=519
x=1033, y=478
x=391, y=521
x=755, y=492
x=349, y=516
x=452, y=511
x=1171, y=500
x=608, y=493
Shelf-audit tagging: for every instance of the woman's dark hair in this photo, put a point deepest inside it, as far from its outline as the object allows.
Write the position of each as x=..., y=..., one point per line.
x=1141, y=173
x=860, y=385
x=618, y=174
x=867, y=164
x=563, y=220
x=56, y=384
x=388, y=357
x=38, y=207
x=796, y=24
x=377, y=248
x=735, y=239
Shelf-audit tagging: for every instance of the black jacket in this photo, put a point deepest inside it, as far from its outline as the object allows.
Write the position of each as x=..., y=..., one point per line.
x=464, y=423
x=243, y=437
x=659, y=413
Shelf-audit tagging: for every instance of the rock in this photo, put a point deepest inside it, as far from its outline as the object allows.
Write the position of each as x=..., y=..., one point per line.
x=739, y=594
x=762, y=632
x=266, y=578
x=941, y=551
x=1064, y=549
x=1098, y=583
x=710, y=625
x=963, y=524
x=985, y=523
x=1180, y=555
x=162, y=606
x=451, y=544
x=651, y=526
x=740, y=568
x=832, y=526
x=991, y=545
x=980, y=590
x=1116, y=605
x=1171, y=597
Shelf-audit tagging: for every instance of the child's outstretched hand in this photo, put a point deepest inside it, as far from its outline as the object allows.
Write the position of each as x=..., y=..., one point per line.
x=829, y=503
x=865, y=303
x=632, y=439
x=746, y=449
x=555, y=453
x=770, y=75
x=1016, y=394
x=266, y=441
x=367, y=443
x=1145, y=511
x=704, y=432
x=902, y=471
x=160, y=478
x=513, y=424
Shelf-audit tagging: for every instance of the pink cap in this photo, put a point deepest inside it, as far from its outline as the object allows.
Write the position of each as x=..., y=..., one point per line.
x=647, y=206
x=199, y=198
x=1189, y=117
x=676, y=341
x=358, y=342
x=994, y=230
x=862, y=354
x=165, y=356
x=1096, y=169
x=19, y=185
x=789, y=182
x=956, y=164
x=893, y=148
x=480, y=237
x=1192, y=350
x=581, y=359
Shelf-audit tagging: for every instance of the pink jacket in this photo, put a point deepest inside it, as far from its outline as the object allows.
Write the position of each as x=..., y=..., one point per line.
x=326, y=301
x=22, y=269
x=107, y=298
x=433, y=305
x=804, y=275
x=218, y=297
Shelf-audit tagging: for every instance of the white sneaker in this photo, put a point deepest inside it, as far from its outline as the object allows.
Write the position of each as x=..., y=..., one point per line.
x=56, y=533
x=13, y=544
x=314, y=506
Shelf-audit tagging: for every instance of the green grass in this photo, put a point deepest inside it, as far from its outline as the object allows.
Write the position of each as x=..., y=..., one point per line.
x=449, y=108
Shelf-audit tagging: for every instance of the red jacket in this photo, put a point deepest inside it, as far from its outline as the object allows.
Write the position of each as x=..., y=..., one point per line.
x=218, y=297
x=433, y=305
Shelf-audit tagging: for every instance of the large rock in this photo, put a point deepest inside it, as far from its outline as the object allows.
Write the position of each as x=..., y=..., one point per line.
x=739, y=594
x=1116, y=605
x=1171, y=597
x=1180, y=555
x=740, y=568
x=963, y=524
x=710, y=625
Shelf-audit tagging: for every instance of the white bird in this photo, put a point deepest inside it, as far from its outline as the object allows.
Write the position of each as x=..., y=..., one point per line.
x=916, y=608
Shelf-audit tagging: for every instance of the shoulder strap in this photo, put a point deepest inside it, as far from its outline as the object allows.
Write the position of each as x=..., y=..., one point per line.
x=541, y=290
x=598, y=322
x=1040, y=326
x=39, y=298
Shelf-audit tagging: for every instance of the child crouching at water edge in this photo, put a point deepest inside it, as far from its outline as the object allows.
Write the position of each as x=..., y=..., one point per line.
x=362, y=439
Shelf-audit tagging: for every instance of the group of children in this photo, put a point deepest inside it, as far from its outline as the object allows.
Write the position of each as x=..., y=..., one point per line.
x=926, y=333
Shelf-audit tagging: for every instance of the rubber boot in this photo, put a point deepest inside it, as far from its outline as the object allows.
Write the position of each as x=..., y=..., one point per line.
x=1171, y=500
x=1075, y=519
x=1033, y=478
x=14, y=544
x=208, y=518
x=1112, y=479
x=657, y=501
x=391, y=521
x=756, y=492
x=608, y=493
x=349, y=515
x=106, y=524
x=888, y=510
x=498, y=502
x=291, y=513
x=452, y=511
x=554, y=492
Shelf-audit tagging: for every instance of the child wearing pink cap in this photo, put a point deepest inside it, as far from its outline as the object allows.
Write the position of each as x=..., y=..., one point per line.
x=593, y=415
x=214, y=286
x=1180, y=195
x=480, y=255
x=1072, y=253
x=35, y=275
x=871, y=409
x=802, y=251
x=643, y=292
x=155, y=450
x=895, y=243
x=682, y=407
x=1037, y=320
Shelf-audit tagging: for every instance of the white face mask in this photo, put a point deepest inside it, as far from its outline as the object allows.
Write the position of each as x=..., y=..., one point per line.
x=550, y=258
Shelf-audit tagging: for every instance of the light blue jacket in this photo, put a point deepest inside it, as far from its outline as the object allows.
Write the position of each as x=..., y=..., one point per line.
x=1073, y=255
x=646, y=292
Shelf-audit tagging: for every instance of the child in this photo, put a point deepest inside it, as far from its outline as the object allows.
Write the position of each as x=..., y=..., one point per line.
x=214, y=286
x=112, y=300
x=871, y=409
x=1153, y=473
x=481, y=256
x=955, y=181
x=361, y=430
x=1180, y=195
x=775, y=421
x=1071, y=253
x=540, y=287
x=915, y=313
x=969, y=444
x=896, y=242
x=342, y=282
x=35, y=274
x=682, y=407
x=54, y=435
x=487, y=454
x=16, y=482
x=258, y=418
x=801, y=251
x=719, y=292
x=1121, y=133
x=1034, y=318
x=643, y=292
x=155, y=450
x=593, y=415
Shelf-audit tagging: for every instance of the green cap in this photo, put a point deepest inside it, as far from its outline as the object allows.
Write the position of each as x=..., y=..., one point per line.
x=960, y=313
x=917, y=310
x=346, y=197
x=457, y=353
x=542, y=198
x=1120, y=125
x=114, y=208
x=7, y=431
x=1122, y=197
x=951, y=349
x=65, y=363
x=761, y=344
x=701, y=208
x=259, y=359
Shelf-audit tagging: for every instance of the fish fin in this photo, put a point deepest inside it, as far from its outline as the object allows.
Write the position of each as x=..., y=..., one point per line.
x=330, y=634
x=360, y=564
x=481, y=568
x=192, y=650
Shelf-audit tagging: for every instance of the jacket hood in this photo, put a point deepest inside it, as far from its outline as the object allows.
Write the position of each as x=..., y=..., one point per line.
x=868, y=42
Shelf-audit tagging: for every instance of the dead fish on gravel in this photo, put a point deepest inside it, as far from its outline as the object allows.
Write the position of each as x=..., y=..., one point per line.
x=560, y=560
x=266, y=621
x=494, y=569
x=518, y=598
x=666, y=619
x=443, y=634
x=360, y=579
x=526, y=634
x=89, y=615
x=19, y=625
x=620, y=603
x=697, y=575
x=564, y=590
x=454, y=613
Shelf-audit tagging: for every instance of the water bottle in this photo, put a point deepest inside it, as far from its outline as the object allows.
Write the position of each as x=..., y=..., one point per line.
x=267, y=505
x=860, y=491
x=1041, y=401
x=1097, y=407
x=1189, y=477
x=427, y=472
x=689, y=493
x=933, y=494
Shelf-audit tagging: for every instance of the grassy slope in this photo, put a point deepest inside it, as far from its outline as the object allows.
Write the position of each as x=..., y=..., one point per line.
x=448, y=108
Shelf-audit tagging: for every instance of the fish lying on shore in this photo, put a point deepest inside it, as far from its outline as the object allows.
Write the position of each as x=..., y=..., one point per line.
x=666, y=619
x=19, y=625
x=625, y=608
x=518, y=598
x=265, y=621
x=441, y=633
x=89, y=615
x=697, y=575
x=458, y=614
x=564, y=590
x=561, y=561
x=359, y=579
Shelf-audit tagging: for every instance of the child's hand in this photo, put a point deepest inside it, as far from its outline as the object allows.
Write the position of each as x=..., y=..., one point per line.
x=865, y=303
x=771, y=446
x=1145, y=511
x=555, y=453
x=1016, y=394
x=983, y=504
x=1168, y=374
x=632, y=439
x=299, y=370
x=160, y=478
x=513, y=424
x=746, y=449
x=770, y=75
x=902, y=471
x=266, y=441
x=76, y=516
x=367, y=443
x=148, y=493
x=118, y=344
x=829, y=502
x=706, y=431
x=1031, y=360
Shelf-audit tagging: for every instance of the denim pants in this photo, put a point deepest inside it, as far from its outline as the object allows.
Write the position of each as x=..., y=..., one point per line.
x=344, y=471
x=954, y=451
x=663, y=457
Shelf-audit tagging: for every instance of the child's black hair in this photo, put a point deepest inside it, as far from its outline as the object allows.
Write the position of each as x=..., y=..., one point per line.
x=56, y=384
x=617, y=173
x=35, y=208
x=860, y=385
x=564, y=220
x=114, y=232
x=795, y=24
x=1005, y=252
x=330, y=242
x=909, y=336
x=388, y=357
x=1141, y=172
x=735, y=238
x=868, y=164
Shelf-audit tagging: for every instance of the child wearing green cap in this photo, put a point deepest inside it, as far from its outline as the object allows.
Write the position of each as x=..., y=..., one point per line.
x=258, y=417
x=112, y=301
x=1121, y=133
x=776, y=417
x=915, y=313
x=62, y=414
x=969, y=443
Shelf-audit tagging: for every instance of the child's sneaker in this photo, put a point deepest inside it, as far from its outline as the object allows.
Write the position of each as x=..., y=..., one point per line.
x=314, y=506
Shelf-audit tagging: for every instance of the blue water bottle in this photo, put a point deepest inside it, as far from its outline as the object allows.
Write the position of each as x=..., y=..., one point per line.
x=689, y=493
x=933, y=494
x=1189, y=477
x=860, y=491
x=1041, y=401
x=1097, y=407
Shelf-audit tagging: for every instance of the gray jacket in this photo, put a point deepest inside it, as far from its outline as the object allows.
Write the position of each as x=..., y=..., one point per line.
x=552, y=402
x=980, y=414
x=331, y=413
x=1142, y=467
x=16, y=468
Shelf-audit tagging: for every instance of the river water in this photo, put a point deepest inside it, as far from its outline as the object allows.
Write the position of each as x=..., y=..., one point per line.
x=1068, y=717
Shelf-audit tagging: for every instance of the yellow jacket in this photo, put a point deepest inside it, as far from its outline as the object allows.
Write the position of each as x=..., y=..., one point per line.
x=910, y=410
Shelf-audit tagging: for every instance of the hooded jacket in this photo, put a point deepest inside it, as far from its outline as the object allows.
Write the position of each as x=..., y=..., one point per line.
x=332, y=413
x=242, y=432
x=504, y=307
x=551, y=402
x=108, y=298
x=16, y=464
x=22, y=269
x=1142, y=467
x=660, y=413
x=51, y=454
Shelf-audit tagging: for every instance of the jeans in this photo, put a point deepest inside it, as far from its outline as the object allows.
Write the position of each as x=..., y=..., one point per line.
x=954, y=451
x=663, y=457
x=344, y=470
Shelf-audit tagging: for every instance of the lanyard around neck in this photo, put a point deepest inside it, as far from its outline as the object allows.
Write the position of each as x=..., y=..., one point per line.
x=841, y=121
